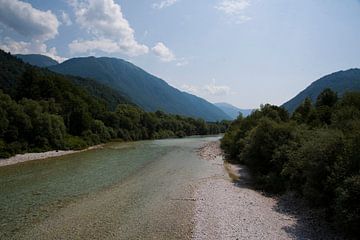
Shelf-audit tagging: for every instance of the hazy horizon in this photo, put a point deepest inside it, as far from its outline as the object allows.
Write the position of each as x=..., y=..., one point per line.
x=243, y=52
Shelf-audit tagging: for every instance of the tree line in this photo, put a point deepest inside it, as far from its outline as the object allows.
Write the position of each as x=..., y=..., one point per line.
x=41, y=110
x=315, y=152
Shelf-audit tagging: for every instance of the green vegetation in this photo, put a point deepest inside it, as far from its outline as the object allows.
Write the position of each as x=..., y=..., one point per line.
x=314, y=152
x=41, y=110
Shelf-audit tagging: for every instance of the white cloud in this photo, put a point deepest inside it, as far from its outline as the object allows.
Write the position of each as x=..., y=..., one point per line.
x=235, y=9
x=33, y=47
x=163, y=52
x=190, y=88
x=182, y=62
x=85, y=46
x=164, y=4
x=104, y=20
x=65, y=19
x=218, y=90
x=28, y=21
x=34, y=25
x=208, y=90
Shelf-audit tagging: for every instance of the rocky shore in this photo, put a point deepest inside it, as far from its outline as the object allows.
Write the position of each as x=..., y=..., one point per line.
x=227, y=207
x=19, y=158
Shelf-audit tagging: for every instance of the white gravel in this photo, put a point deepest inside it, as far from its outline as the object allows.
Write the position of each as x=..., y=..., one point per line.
x=19, y=158
x=233, y=210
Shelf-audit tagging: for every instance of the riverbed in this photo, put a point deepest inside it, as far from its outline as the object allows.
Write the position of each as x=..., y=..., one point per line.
x=140, y=190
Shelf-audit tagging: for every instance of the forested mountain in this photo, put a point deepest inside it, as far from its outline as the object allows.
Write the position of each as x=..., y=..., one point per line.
x=37, y=60
x=233, y=111
x=339, y=82
x=145, y=90
x=42, y=110
x=12, y=70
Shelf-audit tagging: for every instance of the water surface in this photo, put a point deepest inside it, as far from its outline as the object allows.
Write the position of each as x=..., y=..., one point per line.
x=122, y=191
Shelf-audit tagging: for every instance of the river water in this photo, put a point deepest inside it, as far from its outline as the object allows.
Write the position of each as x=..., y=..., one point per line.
x=140, y=190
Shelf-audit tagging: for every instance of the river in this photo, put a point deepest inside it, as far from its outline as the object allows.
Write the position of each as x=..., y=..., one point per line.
x=139, y=190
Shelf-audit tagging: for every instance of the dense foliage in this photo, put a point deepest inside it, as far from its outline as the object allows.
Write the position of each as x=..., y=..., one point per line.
x=314, y=152
x=41, y=110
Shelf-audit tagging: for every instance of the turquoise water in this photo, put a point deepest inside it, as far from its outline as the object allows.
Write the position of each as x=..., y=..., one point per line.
x=33, y=193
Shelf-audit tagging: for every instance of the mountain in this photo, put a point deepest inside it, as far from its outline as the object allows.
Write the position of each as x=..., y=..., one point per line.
x=41, y=110
x=12, y=69
x=145, y=90
x=37, y=60
x=339, y=82
x=233, y=111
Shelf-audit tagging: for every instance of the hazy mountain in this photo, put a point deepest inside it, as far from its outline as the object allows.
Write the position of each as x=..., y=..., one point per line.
x=339, y=82
x=233, y=111
x=37, y=60
x=145, y=90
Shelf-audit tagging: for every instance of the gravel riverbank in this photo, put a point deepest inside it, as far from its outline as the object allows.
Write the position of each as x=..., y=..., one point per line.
x=228, y=209
x=19, y=158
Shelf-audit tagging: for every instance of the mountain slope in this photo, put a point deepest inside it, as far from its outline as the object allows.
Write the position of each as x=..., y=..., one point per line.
x=233, y=111
x=147, y=91
x=12, y=70
x=339, y=82
x=37, y=60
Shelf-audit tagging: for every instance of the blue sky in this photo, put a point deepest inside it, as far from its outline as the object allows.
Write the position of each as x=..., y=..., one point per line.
x=245, y=52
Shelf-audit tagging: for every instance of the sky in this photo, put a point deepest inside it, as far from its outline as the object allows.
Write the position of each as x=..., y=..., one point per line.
x=244, y=52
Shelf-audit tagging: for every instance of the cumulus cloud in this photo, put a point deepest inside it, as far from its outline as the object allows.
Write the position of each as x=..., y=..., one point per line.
x=208, y=90
x=234, y=9
x=104, y=20
x=217, y=90
x=65, y=19
x=182, y=62
x=84, y=46
x=190, y=88
x=38, y=47
x=34, y=25
x=28, y=21
x=164, y=4
x=163, y=52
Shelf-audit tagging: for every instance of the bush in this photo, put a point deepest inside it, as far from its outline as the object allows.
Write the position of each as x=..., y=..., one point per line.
x=75, y=142
x=316, y=153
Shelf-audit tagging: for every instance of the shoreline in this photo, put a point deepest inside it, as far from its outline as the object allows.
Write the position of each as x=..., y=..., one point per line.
x=228, y=207
x=26, y=157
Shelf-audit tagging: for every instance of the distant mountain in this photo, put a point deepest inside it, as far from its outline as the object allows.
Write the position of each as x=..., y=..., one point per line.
x=37, y=60
x=339, y=82
x=145, y=90
x=233, y=111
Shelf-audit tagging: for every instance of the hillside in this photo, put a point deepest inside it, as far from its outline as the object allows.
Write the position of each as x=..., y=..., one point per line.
x=339, y=82
x=233, y=111
x=12, y=69
x=41, y=110
x=37, y=60
x=145, y=90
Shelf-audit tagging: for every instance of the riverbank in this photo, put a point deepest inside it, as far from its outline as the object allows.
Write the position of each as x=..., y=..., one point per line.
x=227, y=207
x=19, y=158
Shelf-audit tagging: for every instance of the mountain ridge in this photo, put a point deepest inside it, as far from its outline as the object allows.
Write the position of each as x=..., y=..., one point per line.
x=232, y=110
x=340, y=82
x=146, y=90
x=37, y=60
